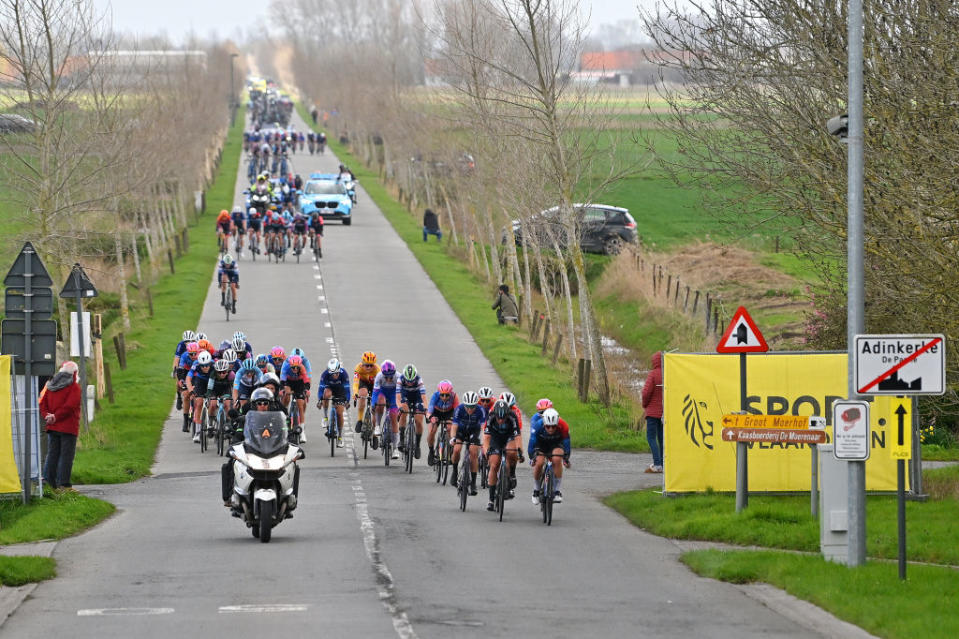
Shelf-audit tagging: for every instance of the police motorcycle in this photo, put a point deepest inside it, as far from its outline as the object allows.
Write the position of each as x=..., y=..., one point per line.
x=266, y=476
x=258, y=198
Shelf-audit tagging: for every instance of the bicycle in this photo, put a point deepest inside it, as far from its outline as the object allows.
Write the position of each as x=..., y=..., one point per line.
x=547, y=492
x=386, y=428
x=254, y=245
x=463, y=487
x=502, y=481
x=204, y=418
x=294, y=422
x=483, y=469
x=408, y=438
x=237, y=243
x=222, y=419
x=229, y=302
x=444, y=452
x=366, y=432
x=334, y=429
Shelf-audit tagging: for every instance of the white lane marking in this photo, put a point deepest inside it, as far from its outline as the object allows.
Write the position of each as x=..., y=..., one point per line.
x=385, y=584
x=123, y=612
x=329, y=340
x=316, y=267
x=317, y=276
x=324, y=310
x=264, y=608
x=322, y=297
x=326, y=325
x=319, y=287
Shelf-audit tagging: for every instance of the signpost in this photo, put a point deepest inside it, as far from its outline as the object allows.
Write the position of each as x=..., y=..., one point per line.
x=742, y=336
x=30, y=336
x=79, y=286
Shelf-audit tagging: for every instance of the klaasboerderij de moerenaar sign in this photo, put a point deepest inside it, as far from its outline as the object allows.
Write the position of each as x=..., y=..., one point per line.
x=900, y=364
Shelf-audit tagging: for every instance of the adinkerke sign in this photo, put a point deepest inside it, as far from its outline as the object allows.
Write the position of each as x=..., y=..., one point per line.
x=900, y=364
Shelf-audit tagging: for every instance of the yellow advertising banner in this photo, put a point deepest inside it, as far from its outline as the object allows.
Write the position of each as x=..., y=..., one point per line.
x=9, y=478
x=698, y=389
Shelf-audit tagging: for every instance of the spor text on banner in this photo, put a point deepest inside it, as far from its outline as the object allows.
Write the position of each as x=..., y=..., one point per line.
x=699, y=388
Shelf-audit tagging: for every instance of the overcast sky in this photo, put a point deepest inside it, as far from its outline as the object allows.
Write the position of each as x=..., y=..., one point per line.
x=176, y=18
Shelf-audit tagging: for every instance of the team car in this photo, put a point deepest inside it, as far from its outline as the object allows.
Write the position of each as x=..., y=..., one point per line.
x=325, y=194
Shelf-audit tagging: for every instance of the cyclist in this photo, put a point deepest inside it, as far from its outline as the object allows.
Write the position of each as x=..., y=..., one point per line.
x=384, y=397
x=468, y=422
x=316, y=232
x=295, y=380
x=255, y=221
x=277, y=357
x=299, y=223
x=223, y=224
x=500, y=435
x=363, y=377
x=184, y=366
x=244, y=350
x=263, y=364
x=551, y=439
x=196, y=381
x=188, y=336
x=411, y=397
x=205, y=344
x=276, y=234
x=442, y=404
x=238, y=217
x=486, y=398
x=228, y=273
x=306, y=361
x=220, y=384
x=510, y=400
x=334, y=384
x=245, y=381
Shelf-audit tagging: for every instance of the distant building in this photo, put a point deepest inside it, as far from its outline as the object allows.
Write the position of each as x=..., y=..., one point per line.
x=625, y=67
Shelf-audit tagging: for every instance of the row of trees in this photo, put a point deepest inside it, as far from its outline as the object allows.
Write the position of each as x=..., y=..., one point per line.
x=120, y=139
x=505, y=137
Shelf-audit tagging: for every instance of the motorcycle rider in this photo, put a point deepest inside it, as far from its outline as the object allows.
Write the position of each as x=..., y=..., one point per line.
x=261, y=400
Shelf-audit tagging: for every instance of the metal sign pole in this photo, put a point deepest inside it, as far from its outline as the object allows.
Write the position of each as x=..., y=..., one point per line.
x=28, y=383
x=81, y=340
x=742, y=449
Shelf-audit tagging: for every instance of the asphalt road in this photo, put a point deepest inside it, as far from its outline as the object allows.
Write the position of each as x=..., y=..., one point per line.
x=372, y=552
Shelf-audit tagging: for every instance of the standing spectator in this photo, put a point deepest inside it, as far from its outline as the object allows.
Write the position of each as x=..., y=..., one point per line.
x=314, y=113
x=60, y=409
x=653, y=404
x=431, y=225
x=506, y=308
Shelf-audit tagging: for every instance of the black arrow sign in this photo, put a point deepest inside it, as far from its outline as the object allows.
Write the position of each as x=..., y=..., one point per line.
x=901, y=414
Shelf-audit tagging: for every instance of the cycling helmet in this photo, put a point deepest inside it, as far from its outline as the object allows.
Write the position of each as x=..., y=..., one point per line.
x=409, y=373
x=550, y=417
x=237, y=209
x=277, y=351
x=227, y=259
x=239, y=335
x=221, y=365
x=252, y=211
x=248, y=365
x=298, y=351
x=205, y=345
x=224, y=212
x=369, y=357
x=269, y=378
x=260, y=395
x=500, y=410
x=262, y=360
x=509, y=398
x=469, y=398
x=239, y=344
x=192, y=347
x=229, y=356
x=225, y=344
x=204, y=358
x=543, y=404
x=295, y=360
x=200, y=336
x=388, y=367
x=485, y=392
x=333, y=365
x=445, y=386
x=189, y=336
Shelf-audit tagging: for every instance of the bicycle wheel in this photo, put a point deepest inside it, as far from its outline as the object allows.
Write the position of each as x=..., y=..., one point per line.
x=410, y=443
x=502, y=485
x=204, y=418
x=331, y=429
x=484, y=470
x=294, y=421
x=253, y=246
x=220, y=431
x=447, y=455
x=438, y=456
x=464, y=478
x=387, y=430
x=546, y=497
x=228, y=305
x=298, y=250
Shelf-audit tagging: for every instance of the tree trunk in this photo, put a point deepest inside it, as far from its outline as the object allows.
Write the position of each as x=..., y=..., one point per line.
x=494, y=253
x=121, y=273
x=568, y=294
x=588, y=320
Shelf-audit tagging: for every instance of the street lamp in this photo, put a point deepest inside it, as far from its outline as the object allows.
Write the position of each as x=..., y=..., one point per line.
x=232, y=91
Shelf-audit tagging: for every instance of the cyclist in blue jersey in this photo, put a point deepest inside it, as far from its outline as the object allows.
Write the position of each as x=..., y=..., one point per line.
x=184, y=365
x=411, y=397
x=238, y=216
x=295, y=381
x=384, y=397
x=255, y=222
x=245, y=382
x=548, y=437
x=228, y=272
x=469, y=418
x=220, y=384
x=334, y=384
x=196, y=382
x=188, y=336
x=300, y=223
x=442, y=404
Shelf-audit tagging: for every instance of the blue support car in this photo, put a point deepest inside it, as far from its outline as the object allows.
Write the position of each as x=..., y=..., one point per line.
x=326, y=195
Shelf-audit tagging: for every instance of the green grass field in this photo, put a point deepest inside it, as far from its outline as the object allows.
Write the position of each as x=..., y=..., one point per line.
x=18, y=571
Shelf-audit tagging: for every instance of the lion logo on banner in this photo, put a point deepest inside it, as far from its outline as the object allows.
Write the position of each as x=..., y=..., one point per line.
x=700, y=430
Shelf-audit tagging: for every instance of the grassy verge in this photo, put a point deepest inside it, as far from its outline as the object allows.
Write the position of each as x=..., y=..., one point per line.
x=870, y=596
x=123, y=438
x=785, y=522
x=529, y=375
x=17, y=571
x=57, y=518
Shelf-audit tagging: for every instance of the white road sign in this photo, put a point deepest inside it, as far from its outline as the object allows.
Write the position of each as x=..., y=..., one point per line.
x=900, y=364
x=850, y=429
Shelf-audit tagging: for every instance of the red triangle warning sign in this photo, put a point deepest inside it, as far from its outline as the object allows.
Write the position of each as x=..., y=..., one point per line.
x=742, y=335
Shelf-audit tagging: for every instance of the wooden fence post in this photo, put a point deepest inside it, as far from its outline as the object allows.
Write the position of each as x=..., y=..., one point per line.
x=169, y=255
x=686, y=300
x=119, y=343
x=186, y=241
x=676, y=293
x=654, y=280
x=108, y=381
x=149, y=301
x=179, y=247
x=669, y=286
x=559, y=342
x=695, y=302
x=709, y=311
x=580, y=368
x=715, y=319
x=586, y=374
x=545, y=337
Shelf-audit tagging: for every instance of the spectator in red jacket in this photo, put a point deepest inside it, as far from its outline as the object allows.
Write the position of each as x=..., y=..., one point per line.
x=60, y=409
x=653, y=404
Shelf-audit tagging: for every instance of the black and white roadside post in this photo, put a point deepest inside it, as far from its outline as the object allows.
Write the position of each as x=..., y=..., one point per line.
x=30, y=336
x=742, y=336
x=79, y=286
x=904, y=366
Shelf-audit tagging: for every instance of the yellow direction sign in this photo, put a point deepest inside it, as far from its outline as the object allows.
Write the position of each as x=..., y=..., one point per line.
x=901, y=447
x=789, y=422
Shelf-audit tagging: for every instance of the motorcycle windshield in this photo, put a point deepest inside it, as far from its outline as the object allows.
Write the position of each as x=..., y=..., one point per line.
x=265, y=432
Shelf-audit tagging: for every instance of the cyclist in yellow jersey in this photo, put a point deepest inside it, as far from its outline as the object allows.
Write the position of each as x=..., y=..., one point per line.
x=363, y=377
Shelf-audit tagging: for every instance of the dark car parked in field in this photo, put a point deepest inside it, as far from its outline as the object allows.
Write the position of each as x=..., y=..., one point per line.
x=13, y=123
x=602, y=228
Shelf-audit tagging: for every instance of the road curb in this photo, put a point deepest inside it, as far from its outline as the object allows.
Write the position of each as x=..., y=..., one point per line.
x=12, y=596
